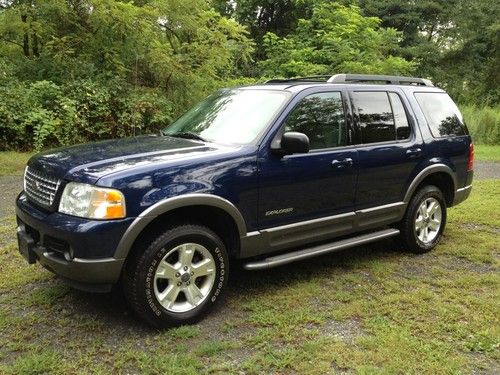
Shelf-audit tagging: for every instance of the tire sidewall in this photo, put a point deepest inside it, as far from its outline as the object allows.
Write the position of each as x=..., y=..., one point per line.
x=427, y=192
x=157, y=252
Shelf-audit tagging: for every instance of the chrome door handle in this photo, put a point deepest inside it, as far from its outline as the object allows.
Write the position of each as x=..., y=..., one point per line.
x=342, y=163
x=414, y=152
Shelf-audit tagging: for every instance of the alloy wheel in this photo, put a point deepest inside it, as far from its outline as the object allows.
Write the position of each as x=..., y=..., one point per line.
x=184, y=277
x=428, y=220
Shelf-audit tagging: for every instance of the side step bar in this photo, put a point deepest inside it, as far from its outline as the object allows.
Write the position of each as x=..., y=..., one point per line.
x=320, y=250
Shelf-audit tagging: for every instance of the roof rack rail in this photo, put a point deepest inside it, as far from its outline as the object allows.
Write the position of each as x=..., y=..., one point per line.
x=356, y=78
x=391, y=80
x=319, y=78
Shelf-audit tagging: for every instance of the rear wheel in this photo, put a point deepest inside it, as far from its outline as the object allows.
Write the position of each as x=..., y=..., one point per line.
x=178, y=277
x=424, y=220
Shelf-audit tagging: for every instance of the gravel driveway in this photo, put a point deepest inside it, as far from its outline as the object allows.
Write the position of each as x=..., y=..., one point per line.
x=10, y=186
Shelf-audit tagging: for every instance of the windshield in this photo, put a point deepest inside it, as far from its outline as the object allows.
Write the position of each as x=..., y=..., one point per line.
x=229, y=116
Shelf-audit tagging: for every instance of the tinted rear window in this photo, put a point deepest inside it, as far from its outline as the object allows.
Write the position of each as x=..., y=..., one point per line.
x=375, y=116
x=441, y=113
x=382, y=116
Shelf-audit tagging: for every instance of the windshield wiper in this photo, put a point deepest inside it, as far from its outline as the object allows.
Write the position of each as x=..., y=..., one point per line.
x=187, y=135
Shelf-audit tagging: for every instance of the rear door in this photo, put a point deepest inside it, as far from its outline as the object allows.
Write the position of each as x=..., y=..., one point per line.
x=389, y=146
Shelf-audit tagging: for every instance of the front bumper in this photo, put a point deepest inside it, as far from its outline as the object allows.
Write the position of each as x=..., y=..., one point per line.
x=77, y=249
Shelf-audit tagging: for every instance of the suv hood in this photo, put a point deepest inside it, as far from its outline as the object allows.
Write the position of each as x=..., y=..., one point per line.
x=88, y=162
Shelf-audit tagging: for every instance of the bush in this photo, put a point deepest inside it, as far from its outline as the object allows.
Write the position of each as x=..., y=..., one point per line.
x=43, y=114
x=483, y=124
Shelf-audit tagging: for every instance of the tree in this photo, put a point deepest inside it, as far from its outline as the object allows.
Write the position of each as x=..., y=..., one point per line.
x=120, y=66
x=455, y=42
x=336, y=38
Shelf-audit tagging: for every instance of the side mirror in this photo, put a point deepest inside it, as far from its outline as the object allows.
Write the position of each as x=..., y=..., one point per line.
x=294, y=143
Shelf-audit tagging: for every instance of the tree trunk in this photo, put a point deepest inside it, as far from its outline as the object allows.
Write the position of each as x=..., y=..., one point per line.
x=35, y=46
x=26, y=39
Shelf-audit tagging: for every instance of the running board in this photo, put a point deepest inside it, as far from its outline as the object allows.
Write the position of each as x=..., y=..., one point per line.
x=331, y=247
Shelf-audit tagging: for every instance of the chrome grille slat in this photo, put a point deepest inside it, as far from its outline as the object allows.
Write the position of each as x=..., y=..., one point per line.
x=41, y=178
x=40, y=187
x=41, y=191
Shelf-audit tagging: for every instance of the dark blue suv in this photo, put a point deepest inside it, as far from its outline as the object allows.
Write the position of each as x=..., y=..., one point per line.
x=267, y=174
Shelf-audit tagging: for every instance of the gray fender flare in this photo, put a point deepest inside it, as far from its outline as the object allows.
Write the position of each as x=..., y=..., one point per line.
x=164, y=206
x=431, y=169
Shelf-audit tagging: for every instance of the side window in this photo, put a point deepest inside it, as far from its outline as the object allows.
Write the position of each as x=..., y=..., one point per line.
x=382, y=116
x=321, y=117
x=400, y=119
x=375, y=116
x=441, y=113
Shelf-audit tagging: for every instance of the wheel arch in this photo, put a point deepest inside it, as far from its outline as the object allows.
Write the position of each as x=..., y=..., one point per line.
x=215, y=212
x=439, y=175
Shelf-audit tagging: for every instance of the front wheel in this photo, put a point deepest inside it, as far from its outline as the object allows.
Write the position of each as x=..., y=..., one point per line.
x=178, y=277
x=424, y=220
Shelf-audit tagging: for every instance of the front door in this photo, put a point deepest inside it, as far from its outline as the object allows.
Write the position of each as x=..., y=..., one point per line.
x=299, y=188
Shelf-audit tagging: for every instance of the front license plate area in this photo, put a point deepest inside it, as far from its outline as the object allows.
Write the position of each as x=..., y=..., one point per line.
x=26, y=246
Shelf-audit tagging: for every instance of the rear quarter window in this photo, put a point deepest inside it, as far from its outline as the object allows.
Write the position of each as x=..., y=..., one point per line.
x=442, y=114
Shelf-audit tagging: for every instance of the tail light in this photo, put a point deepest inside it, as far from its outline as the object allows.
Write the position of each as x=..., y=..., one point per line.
x=470, y=161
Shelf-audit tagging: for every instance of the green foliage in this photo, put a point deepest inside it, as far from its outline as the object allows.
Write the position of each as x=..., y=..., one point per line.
x=82, y=70
x=44, y=114
x=75, y=71
x=455, y=42
x=483, y=124
x=335, y=39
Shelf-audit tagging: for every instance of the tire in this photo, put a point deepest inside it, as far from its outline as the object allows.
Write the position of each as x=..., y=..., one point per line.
x=165, y=288
x=420, y=231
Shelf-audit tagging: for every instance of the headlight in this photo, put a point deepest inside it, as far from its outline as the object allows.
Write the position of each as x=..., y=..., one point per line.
x=92, y=202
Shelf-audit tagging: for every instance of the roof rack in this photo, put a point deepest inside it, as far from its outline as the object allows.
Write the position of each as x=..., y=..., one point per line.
x=391, y=80
x=320, y=78
x=357, y=78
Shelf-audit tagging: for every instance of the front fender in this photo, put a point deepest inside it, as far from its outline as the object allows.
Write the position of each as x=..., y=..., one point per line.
x=166, y=205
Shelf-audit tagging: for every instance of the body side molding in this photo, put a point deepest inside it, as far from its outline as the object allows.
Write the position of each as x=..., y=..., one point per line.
x=320, y=250
x=288, y=236
x=166, y=205
x=434, y=168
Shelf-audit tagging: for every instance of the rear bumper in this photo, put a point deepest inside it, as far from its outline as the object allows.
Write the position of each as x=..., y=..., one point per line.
x=462, y=194
x=79, y=250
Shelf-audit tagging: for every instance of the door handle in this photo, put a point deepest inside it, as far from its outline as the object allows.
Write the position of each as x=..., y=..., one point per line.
x=413, y=152
x=342, y=163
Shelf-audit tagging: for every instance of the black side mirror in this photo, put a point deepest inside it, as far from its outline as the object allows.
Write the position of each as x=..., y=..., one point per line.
x=294, y=143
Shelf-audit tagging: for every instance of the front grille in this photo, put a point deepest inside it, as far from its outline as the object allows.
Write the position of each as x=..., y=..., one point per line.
x=40, y=187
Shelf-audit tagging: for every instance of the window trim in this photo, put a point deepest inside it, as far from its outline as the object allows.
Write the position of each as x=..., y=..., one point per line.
x=348, y=122
x=406, y=114
x=357, y=138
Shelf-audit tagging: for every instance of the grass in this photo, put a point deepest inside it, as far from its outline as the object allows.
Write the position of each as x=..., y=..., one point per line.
x=370, y=310
x=12, y=162
x=487, y=152
x=483, y=123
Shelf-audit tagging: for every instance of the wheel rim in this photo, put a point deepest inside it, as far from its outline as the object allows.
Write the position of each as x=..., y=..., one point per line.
x=184, y=277
x=428, y=220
